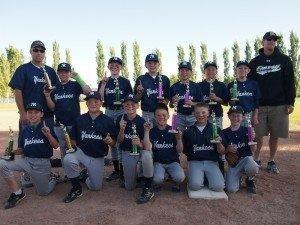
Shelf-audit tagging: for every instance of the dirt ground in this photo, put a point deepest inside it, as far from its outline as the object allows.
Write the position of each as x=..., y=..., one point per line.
x=277, y=201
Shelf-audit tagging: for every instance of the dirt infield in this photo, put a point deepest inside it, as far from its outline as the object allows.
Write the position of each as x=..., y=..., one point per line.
x=276, y=202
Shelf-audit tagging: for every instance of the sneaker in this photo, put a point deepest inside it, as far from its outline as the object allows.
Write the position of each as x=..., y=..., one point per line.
x=113, y=176
x=55, y=177
x=272, y=167
x=146, y=195
x=13, y=200
x=83, y=175
x=176, y=188
x=258, y=162
x=73, y=194
x=251, y=188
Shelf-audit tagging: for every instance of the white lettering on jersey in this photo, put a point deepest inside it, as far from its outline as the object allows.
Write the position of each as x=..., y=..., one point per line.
x=85, y=135
x=33, y=141
x=262, y=70
x=63, y=96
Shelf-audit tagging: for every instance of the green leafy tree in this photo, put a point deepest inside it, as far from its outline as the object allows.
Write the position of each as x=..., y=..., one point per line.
x=137, y=68
x=295, y=57
x=226, y=63
x=192, y=60
x=281, y=45
x=257, y=45
x=112, y=51
x=15, y=58
x=248, y=52
x=125, y=72
x=159, y=55
x=100, y=60
x=5, y=90
x=180, y=54
x=56, y=55
x=68, y=56
x=236, y=53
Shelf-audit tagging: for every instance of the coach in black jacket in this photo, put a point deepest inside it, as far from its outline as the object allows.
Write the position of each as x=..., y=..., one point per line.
x=274, y=74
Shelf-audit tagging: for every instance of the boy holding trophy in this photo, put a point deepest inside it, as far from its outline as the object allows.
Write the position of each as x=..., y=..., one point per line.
x=165, y=146
x=239, y=145
x=203, y=148
x=113, y=90
x=36, y=144
x=131, y=134
x=186, y=94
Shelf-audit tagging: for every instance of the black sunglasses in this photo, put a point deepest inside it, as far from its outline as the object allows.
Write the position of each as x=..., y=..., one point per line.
x=38, y=50
x=271, y=39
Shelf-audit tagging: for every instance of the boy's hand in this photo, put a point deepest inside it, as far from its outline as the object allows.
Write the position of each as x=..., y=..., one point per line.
x=140, y=88
x=178, y=135
x=147, y=126
x=47, y=92
x=122, y=123
x=108, y=140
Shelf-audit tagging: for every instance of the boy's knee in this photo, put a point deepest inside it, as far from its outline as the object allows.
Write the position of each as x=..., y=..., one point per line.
x=195, y=185
x=217, y=187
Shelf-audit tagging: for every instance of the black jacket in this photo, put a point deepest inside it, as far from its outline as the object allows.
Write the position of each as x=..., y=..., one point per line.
x=275, y=77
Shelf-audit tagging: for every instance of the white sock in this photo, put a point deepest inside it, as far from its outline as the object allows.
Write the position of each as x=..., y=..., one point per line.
x=18, y=192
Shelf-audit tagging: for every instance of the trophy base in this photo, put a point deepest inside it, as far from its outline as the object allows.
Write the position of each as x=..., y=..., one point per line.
x=214, y=141
x=252, y=143
x=7, y=157
x=187, y=106
x=117, y=103
x=234, y=99
x=70, y=150
x=134, y=154
x=160, y=98
x=173, y=131
x=212, y=103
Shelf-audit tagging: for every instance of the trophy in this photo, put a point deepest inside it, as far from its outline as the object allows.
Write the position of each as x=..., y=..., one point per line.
x=234, y=91
x=174, y=120
x=160, y=89
x=9, y=155
x=187, y=96
x=250, y=131
x=215, y=134
x=211, y=91
x=117, y=92
x=70, y=149
x=48, y=85
x=134, y=150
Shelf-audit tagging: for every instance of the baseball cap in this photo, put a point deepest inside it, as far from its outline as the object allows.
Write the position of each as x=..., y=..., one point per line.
x=64, y=66
x=151, y=57
x=37, y=44
x=242, y=63
x=93, y=94
x=270, y=34
x=236, y=109
x=115, y=59
x=34, y=105
x=208, y=64
x=131, y=97
x=186, y=65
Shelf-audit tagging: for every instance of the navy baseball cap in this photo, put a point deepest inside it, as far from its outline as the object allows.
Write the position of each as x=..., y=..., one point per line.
x=131, y=97
x=242, y=63
x=208, y=64
x=236, y=109
x=270, y=34
x=34, y=105
x=115, y=59
x=93, y=94
x=186, y=65
x=64, y=66
x=38, y=44
x=151, y=57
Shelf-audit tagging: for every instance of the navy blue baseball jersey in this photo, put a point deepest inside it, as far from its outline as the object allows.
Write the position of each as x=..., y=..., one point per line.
x=248, y=94
x=34, y=143
x=220, y=90
x=66, y=99
x=180, y=89
x=163, y=145
x=238, y=138
x=197, y=145
x=110, y=91
x=30, y=80
x=149, y=98
x=89, y=134
x=138, y=121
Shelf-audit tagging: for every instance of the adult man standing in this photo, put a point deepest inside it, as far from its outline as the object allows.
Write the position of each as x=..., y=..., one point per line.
x=275, y=76
x=28, y=83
